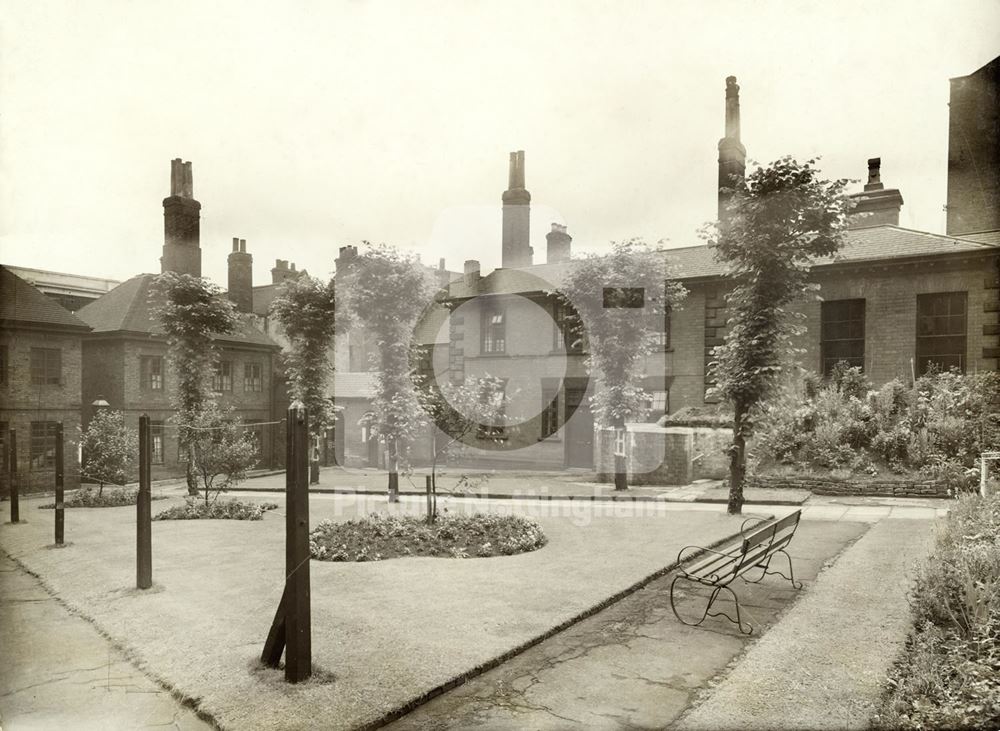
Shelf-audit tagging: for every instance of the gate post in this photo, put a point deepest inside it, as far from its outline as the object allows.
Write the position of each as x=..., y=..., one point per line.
x=60, y=494
x=143, y=526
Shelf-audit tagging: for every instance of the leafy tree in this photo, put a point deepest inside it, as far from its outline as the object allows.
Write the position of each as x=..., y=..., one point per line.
x=109, y=448
x=388, y=292
x=620, y=300
x=306, y=309
x=780, y=219
x=459, y=410
x=223, y=450
x=191, y=310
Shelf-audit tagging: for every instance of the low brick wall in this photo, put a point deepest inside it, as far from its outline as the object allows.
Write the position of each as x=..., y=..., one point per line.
x=828, y=486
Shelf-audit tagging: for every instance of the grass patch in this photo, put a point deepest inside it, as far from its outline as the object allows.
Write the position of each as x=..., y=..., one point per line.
x=379, y=537
x=88, y=497
x=949, y=674
x=196, y=509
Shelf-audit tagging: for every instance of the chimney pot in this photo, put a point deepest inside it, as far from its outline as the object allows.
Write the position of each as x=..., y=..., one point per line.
x=243, y=246
x=441, y=264
x=236, y=244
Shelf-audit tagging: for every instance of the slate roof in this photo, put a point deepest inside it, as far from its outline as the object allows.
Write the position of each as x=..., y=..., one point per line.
x=23, y=305
x=127, y=308
x=984, y=237
x=885, y=242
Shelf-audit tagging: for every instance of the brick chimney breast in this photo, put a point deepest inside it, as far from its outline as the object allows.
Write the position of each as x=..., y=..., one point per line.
x=875, y=205
x=558, y=244
x=516, y=249
x=240, y=279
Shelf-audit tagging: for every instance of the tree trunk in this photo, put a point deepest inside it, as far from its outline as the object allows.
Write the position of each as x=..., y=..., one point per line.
x=393, y=473
x=621, y=468
x=737, y=460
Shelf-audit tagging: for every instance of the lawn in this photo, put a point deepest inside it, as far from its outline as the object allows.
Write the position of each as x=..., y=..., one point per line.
x=384, y=633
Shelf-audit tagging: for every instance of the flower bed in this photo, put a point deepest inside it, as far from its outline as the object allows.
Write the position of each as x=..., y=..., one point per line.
x=949, y=675
x=195, y=509
x=379, y=537
x=88, y=497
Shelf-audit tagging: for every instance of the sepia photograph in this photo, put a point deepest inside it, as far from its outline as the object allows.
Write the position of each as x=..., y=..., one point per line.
x=529, y=366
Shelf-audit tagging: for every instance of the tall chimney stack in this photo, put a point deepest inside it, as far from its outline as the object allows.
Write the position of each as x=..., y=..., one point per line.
x=241, y=276
x=181, y=223
x=732, y=154
x=558, y=244
x=516, y=251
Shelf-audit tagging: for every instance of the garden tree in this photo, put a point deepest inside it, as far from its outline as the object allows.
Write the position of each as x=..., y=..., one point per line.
x=461, y=411
x=388, y=292
x=306, y=310
x=191, y=310
x=109, y=449
x=620, y=300
x=223, y=450
x=780, y=219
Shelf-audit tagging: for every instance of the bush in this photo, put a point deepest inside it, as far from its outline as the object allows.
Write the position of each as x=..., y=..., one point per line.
x=88, y=497
x=949, y=675
x=194, y=509
x=937, y=428
x=379, y=536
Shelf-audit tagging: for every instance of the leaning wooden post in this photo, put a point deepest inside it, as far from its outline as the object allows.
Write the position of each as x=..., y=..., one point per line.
x=15, y=507
x=144, y=527
x=60, y=471
x=291, y=629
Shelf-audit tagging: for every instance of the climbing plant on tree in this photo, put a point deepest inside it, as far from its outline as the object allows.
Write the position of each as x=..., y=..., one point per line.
x=779, y=220
x=191, y=310
x=620, y=300
x=306, y=309
x=388, y=291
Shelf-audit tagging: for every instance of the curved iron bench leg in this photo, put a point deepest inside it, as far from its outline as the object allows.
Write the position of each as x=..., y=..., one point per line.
x=673, y=605
x=738, y=621
x=764, y=571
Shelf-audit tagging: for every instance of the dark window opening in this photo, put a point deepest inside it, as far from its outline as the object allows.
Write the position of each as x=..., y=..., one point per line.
x=46, y=366
x=842, y=334
x=941, y=331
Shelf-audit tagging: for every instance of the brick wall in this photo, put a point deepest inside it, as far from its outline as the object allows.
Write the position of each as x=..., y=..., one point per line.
x=854, y=486
x=22, y=402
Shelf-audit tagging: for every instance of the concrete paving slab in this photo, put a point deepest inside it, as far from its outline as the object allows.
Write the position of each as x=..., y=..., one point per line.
x=634, y=665
x=58, y=672
x=823, y=665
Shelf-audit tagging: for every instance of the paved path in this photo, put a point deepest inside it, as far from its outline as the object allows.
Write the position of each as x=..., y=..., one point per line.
x=57, y=672
x=632, y=665
x=822, y=666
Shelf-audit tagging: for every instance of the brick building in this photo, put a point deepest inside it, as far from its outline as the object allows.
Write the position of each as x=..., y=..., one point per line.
x=40, y=382
x=894, y=301
x=124, y=359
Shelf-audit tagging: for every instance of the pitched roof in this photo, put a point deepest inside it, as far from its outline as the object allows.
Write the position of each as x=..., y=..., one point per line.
x=127, y=308
x=22, y=304
x=873, y=243
x=983, y=237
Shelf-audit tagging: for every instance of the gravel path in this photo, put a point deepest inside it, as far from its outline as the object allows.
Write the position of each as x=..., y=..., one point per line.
x=823, y=665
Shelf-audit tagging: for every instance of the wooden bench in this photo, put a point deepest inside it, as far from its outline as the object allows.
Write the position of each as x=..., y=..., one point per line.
x=718, y=567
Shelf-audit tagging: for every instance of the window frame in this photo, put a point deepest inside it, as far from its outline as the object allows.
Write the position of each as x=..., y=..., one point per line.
x=922, y=355
x=157, y=435
x=45, y=378
x=221, y=377
x=42, y=446
x=828, y=362
x=148, y=377
x=253, y=383
x=4, y=360
x=493, y=335
x=550, y=413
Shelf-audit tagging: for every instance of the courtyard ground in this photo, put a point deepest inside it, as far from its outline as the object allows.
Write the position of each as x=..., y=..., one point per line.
x=388, y=634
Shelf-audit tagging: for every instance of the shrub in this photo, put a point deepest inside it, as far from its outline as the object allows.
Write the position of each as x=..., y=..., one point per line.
x=380, y=536
x=949, y=675
x=88, y=497
x=194, y=509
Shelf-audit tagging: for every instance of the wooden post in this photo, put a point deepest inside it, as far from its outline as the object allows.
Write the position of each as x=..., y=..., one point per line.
x=144, y=527
x=15, y=507
x=292, y=625
x=60, y=495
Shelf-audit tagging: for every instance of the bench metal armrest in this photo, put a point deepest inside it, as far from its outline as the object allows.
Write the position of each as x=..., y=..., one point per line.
x=700, y=548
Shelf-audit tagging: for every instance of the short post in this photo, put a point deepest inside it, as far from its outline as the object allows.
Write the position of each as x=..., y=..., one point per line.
x=144, y=527
x=60, y=495
x=15, y=507
x=291, y=629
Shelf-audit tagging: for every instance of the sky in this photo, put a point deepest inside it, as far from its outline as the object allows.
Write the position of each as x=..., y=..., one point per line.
x=313, y=125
